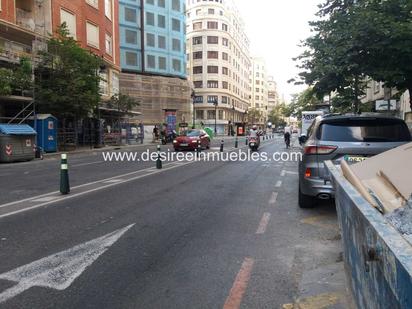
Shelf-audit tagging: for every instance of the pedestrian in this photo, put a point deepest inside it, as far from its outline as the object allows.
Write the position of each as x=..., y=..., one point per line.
x=155, y=134
x=141, y=132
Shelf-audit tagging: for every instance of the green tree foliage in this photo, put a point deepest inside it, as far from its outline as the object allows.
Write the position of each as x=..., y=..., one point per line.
x=254, y=115
x=5, y=81
x=123, y=102
x=17, y=79
x=67, y=83
x=304, y=101
x=276, y=115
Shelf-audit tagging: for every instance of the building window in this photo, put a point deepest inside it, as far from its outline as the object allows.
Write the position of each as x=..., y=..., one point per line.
x=198, y=12
x=115, y=83
x=161, y=3
x=213, y=55
x=198, y=99
x=197, y=26
x=131, y=37
x=198, y=84
x=130, y=15
x=212, y=99
x=225, y=85
x=150, y=39
x=224, y=100
x=151, y=61
x=225, y=42
x=109, y=44
x=92, y=33
x=212, y=40
x=108, y=8
x=212, y=84
x=200, y=113
x=131, y=58
x=220, y=115
x=175, y=24
x=176, y=5
x=176, y=45
x=212, y=25
x=162, y=63
x=211, y=11
x=197, y=40
x=94, y=3
x=161, y=21
x=161, y=41
x=225, y=56
x=197, y=55
x=211, y=114
x=70, y=20
x=212, y=69
x=224, y=27
x=150, y=2
x=103, y=84
x=198, y=70
x=225, y=71
x=177, y=64
x=150, y=19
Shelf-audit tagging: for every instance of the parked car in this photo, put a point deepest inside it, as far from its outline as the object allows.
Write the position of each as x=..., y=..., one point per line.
x=189, y=140
x=343, y=137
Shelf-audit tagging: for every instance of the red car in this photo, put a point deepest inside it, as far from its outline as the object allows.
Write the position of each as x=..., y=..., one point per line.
x=190, y=139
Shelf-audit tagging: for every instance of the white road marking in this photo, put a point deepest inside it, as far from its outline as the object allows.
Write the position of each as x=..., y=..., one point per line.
x=113, y=181
x=273, y=198
x=58, y=271
x=263, y=223
x=283, y=173
x=278, y=184
x=292, y=173
x=89, y=163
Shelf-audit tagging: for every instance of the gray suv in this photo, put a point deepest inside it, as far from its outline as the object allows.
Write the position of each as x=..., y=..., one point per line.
x=343, y=137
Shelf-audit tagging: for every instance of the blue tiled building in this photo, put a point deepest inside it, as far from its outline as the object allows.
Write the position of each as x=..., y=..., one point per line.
x=160, y=30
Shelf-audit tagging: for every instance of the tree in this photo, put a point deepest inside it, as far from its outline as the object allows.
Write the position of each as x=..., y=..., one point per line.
x=5, y=81
x=304, y=101
x=276, y=115
x=67, y=83
x=123, y=102
x=22, y=77
x=254, y=115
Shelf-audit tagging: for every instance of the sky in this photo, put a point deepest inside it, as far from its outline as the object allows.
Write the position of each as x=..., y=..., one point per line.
x=275, y=28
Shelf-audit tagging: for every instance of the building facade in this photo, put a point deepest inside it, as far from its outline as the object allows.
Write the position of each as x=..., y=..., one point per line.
x=218, y=63
x=24, y=26
x=273, y=96
x=260, y=90
x=153, y=58
x=95, y=25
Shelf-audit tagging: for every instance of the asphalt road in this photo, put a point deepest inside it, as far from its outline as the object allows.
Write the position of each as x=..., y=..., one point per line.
x=195, y=235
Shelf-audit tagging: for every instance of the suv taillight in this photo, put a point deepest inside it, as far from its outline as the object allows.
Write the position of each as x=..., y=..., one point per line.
x=320, y=150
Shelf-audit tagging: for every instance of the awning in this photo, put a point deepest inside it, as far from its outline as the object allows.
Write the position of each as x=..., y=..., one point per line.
x=17, y=129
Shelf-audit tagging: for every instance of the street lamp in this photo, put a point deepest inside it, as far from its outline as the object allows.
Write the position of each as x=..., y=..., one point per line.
x=233, y=120
x=215, y=103
x=193, y=101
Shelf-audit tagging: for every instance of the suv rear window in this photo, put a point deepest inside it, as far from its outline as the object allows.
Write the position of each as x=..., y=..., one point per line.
x=364, y=130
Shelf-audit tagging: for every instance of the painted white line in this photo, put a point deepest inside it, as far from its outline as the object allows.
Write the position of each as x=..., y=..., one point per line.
x=89, y=163
x=113, y=181
x=278, y=184
x=283, y=173
x=273, y=198
x=239, y=287
x=58, y=271
x=263, y=223
x=292, y=173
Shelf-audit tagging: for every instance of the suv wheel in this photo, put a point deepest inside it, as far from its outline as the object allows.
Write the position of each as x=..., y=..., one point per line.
x=306, y=201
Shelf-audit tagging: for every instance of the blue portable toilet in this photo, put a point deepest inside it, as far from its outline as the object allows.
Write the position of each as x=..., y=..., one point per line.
x=46, y=127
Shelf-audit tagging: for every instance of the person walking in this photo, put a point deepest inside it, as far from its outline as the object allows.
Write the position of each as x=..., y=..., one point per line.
x=141, y=132
x=155, y=134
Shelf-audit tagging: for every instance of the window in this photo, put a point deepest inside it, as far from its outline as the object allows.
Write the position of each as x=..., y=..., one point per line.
x=175, y=24
x=197, y=26
x=161, y=21
x=212, y=99
x=176, y=5
x=162, y=63
x=70, y=20
x=161, y=3
x=212, y=55
x=198, y=12
x=220, y=115
x=94, y=3
x=150, y=19
x=131, y=36
x=131, y=58
x=211, y=114
x=212, y=40
x=211, y=11
x=108, y=8
x=198, y=70
x=115, y=83
x=200, y=113
x=130, y=15
x=224, y=27
x=109, y=44
x=198, y=55
x=224, y=100
x=161, y=41
x=198, y=99
x=225, y=56
x=150, y=2
x=225, y=71
x=225, y=42
x=212, y=25
x=177, y=65
x=212, y=69
x=176, y=45
x=225, y=85
x=151, y=62
x=103, y=84
x=212, y=84
x=197, y=40
x=92, y=33
x=198, y=84
x=150, y=39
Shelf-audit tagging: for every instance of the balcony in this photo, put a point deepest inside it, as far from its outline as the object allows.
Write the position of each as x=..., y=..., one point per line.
x=12, y=51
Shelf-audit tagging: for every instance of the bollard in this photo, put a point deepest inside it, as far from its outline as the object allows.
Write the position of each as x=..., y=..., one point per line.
x=246, y=141
x=159, y=164
x=199, y=148
x=64, y=175
x=236, y=142
x=222, y=142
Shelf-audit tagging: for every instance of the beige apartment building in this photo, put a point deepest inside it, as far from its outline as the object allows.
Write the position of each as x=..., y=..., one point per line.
x=273, y=96
x=219, y=65
x=260, y=89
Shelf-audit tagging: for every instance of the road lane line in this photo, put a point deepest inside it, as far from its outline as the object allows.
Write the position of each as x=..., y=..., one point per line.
x=273, y=198
x=283, y=173
x=234, y=299
x=263, y=223
x=89, y=163
x=278, y=184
